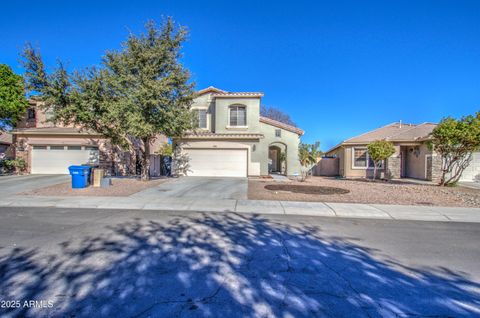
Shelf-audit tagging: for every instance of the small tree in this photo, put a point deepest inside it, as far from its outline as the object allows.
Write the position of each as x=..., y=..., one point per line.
x=379, y=151
x=308, y=155
x=13, y=103
x=455, y=141
x=138, y=92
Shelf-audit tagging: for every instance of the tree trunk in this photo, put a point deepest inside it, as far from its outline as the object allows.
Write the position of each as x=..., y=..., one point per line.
x=146, y=160
x=374, y=170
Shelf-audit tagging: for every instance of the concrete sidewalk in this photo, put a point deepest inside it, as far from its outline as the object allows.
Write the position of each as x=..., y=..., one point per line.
x=342, y=210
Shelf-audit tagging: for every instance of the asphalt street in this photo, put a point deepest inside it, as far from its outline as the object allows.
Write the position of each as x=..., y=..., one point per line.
x=130, y=263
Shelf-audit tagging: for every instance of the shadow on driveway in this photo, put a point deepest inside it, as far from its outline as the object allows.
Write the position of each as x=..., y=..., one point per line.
x=226, y=265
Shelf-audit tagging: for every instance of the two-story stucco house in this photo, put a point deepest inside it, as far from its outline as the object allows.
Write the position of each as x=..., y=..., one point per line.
x=48, y=148
x=233, y=140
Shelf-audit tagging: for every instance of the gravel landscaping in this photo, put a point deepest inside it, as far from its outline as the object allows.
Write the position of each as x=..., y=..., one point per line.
x=120, y=187
x=369, y=192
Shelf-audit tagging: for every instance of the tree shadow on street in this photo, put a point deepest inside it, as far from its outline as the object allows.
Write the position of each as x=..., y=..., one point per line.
x=226, y=265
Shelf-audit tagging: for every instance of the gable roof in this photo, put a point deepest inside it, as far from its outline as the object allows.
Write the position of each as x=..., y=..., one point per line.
x=210, y=89
x=217, y=92
x=279, y=124
x=396, y=132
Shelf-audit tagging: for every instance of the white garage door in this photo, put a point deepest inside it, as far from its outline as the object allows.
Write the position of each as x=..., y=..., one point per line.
x=472, y=172
x=57, y=159
x=217, y=162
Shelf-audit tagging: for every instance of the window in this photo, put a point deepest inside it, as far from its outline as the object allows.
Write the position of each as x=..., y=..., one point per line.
x=39, y=147
x=49, y=114
x=238, y=116
x=91, y=148
x=30, y=114
x=74, y=148
x=57, y=148
x=278, y=133
x=361, y=159
x=201, y=118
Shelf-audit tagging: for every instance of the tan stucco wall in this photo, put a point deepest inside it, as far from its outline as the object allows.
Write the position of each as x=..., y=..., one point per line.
x=207, y=102
x=415, y=166
x=290, y=139
x=346, y=160
x=416, y=163
x=222, y=114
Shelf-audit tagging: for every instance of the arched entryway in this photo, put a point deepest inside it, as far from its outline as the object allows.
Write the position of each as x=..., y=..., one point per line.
x=277, y=154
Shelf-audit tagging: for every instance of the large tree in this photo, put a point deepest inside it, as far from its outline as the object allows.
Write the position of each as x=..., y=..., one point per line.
x=137, y=92
x=12, y=98
x=455, y=141
x=276, y=114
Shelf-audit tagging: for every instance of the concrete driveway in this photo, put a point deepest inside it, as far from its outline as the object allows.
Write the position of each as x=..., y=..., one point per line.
x=199, y=188
x=10, y=185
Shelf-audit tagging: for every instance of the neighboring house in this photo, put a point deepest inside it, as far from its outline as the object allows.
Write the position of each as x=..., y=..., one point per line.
x=51, y=149
x=5, y=145
x=413, y=158
x=233, y=140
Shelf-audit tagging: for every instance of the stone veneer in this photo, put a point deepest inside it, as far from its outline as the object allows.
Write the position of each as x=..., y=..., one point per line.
x=434, y=168
x=393, y=166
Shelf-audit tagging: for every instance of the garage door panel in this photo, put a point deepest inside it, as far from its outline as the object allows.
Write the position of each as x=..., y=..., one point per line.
x=217, y=162
x=472, y=172
x=50, y=161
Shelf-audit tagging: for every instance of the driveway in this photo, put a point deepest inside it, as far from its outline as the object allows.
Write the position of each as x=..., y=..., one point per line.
x=199, y=188
x=110, y=263
x=10, y=185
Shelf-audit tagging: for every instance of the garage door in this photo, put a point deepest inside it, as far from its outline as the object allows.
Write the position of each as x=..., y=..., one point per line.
x=217, y=162
x=57, y=159
x=472, y=172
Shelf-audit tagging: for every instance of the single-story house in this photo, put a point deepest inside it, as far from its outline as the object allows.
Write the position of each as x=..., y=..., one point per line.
x=413, y=158
x=50, y=149
x=233, y=140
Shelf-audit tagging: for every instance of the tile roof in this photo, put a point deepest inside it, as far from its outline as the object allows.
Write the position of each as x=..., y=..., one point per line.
x=211, y=135
x=393, y=132
x=5, y=138
x=279, y=124
x=53, y=131
x=221, y=93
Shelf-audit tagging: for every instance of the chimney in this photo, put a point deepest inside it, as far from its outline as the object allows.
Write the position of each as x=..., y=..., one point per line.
x=400, y=124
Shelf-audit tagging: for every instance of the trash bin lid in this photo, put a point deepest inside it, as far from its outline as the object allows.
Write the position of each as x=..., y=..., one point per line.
x=78, y=168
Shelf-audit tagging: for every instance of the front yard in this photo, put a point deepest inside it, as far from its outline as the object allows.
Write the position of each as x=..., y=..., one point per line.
x=362, y=191
x=120, y=187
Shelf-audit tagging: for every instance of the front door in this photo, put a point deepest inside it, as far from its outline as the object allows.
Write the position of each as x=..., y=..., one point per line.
x=272, y=159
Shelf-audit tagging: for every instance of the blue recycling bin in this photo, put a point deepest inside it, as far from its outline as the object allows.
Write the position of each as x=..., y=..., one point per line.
x=80, y=176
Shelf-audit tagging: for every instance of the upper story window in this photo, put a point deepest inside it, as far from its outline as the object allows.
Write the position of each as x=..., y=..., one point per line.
x=278, y=133
x=238, y=115
x=200, y=118
x=49, y=114
x=30, y=114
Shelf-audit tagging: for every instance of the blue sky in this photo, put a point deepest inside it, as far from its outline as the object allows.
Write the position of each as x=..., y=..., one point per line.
x=339, y=68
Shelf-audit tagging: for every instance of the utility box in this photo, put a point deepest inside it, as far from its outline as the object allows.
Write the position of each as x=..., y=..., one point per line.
x=98, y=175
